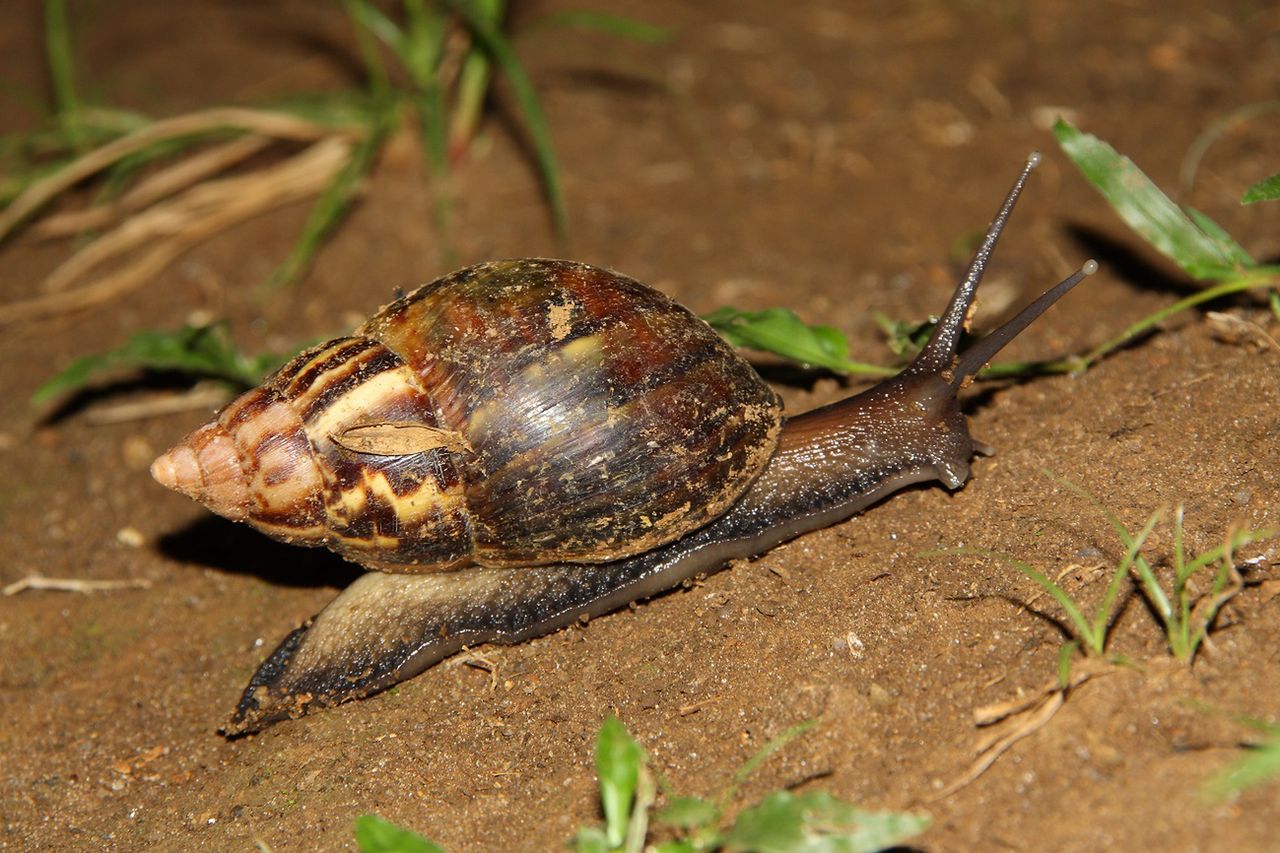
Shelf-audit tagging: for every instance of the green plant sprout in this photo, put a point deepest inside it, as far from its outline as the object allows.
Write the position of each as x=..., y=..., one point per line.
x=375, y=834
x=782, y=822
x=781, y=332
x=1185, y=616
x=1194, y=242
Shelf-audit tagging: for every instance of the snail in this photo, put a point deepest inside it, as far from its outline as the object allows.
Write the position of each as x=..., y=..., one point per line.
x=524, y=443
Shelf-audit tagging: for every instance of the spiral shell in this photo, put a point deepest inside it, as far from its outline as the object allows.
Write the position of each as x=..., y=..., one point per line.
x=513, y=413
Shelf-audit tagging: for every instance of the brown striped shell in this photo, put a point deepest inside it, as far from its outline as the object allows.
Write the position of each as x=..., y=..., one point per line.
x=513, y=413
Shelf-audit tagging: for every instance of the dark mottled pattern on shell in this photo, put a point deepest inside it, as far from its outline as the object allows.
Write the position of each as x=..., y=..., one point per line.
x=510, y=414
x=389, y=512
x=605, y=419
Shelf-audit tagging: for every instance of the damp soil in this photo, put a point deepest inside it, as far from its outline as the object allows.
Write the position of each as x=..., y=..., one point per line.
x=832, y=157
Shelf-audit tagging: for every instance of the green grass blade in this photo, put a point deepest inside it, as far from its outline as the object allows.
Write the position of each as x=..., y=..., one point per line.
x=1150, y=582
x=330, y=208
x=500, y=49
x=425, y=32
x=1151, y=587
x=1143, y=206
x=1132, y=545
x=378, y=835
x=1267, y=189
x=1238, y=540
x=1234, y=252
x=780, y=331
x=1103, y=615
x=1065, y=654
x=618, y=760
x=374, y=68
x=57, y=43
x=752, y=764
x=603, y=22
x=426, y=28
x=473, y=85
x=372, y=19
x=1192, y=635
x=1084, y=631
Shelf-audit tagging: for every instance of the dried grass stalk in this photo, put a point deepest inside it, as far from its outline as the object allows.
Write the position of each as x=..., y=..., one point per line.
x=265, y=122
x=172, y=227
x=161, y=185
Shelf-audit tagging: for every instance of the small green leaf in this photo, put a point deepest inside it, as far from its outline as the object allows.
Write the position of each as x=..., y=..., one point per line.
x=818, y=823
x=1143, y=206
x=377, y=835
x=903, y=337
x=780, y=331
x=1267, y=189
x=618, y=759
x=373, y=20
x=679, y=846
x=198, y=351
x=591, y=839
x=688, y=812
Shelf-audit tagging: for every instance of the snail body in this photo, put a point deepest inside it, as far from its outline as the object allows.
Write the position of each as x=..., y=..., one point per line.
x=523, y=443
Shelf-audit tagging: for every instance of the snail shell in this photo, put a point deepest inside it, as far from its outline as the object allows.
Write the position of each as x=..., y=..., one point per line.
x=513, y=413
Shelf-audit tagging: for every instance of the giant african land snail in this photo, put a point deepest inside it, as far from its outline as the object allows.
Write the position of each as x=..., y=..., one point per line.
x=522, y=443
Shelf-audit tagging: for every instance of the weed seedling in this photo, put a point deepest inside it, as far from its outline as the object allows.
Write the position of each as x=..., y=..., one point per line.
x=1200, y=247
x=781, y=823
x=1185, y=616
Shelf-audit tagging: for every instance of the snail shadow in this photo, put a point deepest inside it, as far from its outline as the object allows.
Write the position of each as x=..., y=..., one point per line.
x=80, y=400
x=222, y=545
x=1137, y=266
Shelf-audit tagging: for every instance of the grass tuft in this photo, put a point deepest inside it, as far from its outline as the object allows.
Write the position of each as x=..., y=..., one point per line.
x=783, y=822
x=1185, y=615
x=1202, y=249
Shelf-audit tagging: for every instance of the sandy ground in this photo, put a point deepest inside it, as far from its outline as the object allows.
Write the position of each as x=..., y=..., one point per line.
x=831, y=160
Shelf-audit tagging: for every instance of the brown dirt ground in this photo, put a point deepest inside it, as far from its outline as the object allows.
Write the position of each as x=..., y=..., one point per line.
x=827, y=157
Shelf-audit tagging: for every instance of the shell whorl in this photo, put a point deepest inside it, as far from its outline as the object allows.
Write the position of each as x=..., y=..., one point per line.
x=513, y=413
